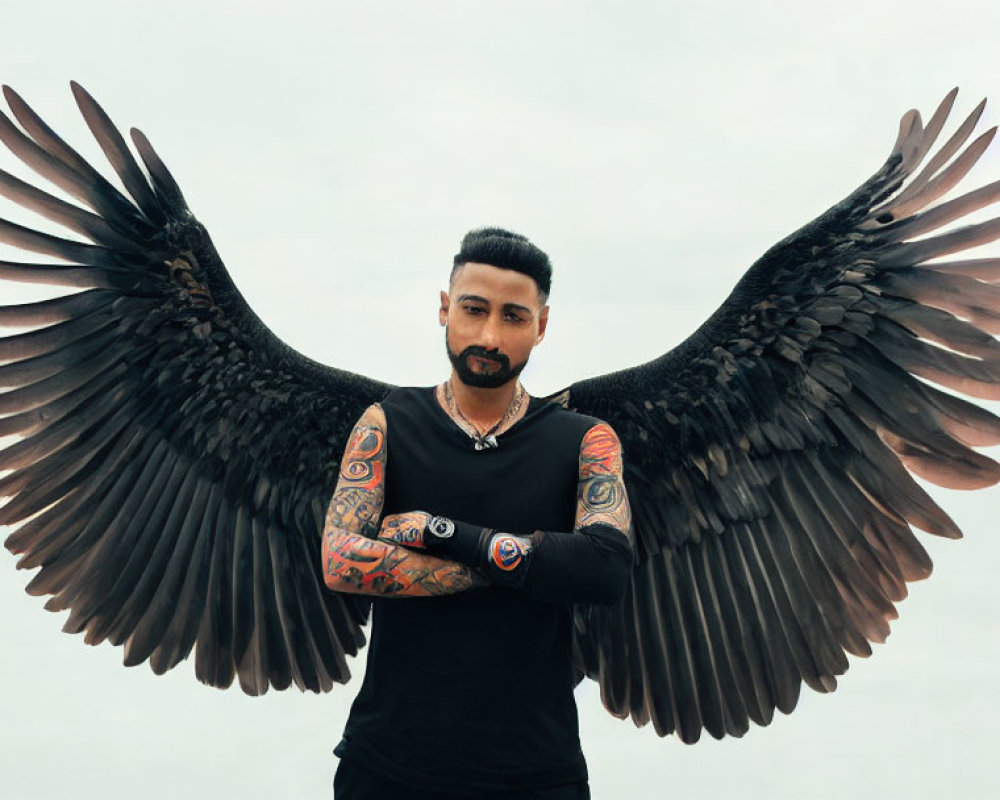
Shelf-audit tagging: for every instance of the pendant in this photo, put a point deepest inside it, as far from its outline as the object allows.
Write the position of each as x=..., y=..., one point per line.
x=486, y=442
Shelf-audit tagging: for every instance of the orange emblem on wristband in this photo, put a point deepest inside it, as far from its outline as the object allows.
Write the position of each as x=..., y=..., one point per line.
x=507, y=552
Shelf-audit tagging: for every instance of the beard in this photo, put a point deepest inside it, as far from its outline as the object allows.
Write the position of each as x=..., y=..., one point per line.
x=483, y=380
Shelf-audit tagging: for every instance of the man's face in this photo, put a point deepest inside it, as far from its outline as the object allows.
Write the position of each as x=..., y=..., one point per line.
x=493, y=318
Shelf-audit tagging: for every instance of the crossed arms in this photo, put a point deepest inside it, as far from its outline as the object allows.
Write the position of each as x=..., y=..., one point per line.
x=360, y=556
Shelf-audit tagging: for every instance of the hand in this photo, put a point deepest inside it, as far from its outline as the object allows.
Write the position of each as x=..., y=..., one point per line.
x=406, y=529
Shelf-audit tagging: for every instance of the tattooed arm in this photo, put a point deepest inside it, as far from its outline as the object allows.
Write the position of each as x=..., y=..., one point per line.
x=589, y=564
x=601, y=497
x=355, y=562
x=593, y=564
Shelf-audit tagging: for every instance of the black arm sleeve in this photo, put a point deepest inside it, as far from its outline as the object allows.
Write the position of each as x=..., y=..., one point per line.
x=588, y=565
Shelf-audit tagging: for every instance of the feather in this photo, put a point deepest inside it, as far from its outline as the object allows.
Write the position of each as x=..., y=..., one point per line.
x=145, y=577
x=181, y=633
x=57, y=162
x=186, y=519
x=121, y=556
x=985, y=269
x=784, y=674
x=67, y=249
x=53, y=337
x=167, y=191
x=335, y=636
x=726, y=692
x=290, y=632
x=935, y=124
x=215, y=663
x=925, y=249
x=942, y=327
x=57, y=275
x=656, y=655
x=56, y=309
x=963, y=296
x=748, y=659
x=96, y=511
x=704, y=674
x=32, y=395
x=941, y=215
x=36, y=420
x=75, y=219
x=967, y=423
x=902, y=203
x=117, y=153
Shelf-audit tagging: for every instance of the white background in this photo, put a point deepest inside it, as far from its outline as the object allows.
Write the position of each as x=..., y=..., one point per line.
x=338, y=151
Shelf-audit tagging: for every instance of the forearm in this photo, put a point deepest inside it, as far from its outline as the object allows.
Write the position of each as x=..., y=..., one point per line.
x=359, y=565
x=354, y=561
x=589, y=565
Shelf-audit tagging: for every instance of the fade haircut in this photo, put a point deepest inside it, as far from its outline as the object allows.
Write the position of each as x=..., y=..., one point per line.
x=507, y=250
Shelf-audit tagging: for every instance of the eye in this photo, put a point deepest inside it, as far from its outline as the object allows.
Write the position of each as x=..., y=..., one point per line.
x=474, y=310
x=512, y=316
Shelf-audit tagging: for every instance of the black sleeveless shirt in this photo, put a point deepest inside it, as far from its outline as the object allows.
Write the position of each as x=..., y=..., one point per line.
x=473, y=691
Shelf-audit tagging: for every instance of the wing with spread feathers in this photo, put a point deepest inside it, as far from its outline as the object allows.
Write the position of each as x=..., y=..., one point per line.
x=768, y=455
x=176, y=458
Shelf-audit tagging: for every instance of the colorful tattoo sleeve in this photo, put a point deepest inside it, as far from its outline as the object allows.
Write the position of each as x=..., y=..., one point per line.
x=406, y=529
x=601, y=496
x=371, y=566
x=353, y=561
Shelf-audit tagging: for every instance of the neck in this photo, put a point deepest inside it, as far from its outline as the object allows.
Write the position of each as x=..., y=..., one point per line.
x=480, y=405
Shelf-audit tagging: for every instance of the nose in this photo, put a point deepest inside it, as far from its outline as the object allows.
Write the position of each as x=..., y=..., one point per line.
x=490, y=333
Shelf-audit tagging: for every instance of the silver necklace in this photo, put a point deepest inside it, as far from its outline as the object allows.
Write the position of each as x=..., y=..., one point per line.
x=483, y=440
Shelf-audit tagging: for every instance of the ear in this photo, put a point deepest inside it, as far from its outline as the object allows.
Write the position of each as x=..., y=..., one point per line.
x=443, y=310
x=543, y=323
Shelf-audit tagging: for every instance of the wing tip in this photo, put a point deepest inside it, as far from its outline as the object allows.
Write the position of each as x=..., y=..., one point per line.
x=84, y=100
x=908, y=139
x=949, y=99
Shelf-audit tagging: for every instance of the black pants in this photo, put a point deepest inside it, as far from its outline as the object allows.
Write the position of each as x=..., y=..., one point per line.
x=355, y=781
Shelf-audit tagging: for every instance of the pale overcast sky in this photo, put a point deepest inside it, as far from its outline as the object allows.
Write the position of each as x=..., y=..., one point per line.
x=338, y=151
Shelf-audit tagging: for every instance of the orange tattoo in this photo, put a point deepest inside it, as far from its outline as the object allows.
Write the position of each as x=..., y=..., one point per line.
x=600, y=452
x=357, y=501
x=363, y=462
x=406, y=529
x=601, y=497
x=353, y=561
x=373, y=567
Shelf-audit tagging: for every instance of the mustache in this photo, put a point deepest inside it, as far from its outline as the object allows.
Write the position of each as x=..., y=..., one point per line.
x=482, y=352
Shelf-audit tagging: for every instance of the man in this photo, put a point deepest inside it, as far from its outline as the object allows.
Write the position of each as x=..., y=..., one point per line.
x=499, y=510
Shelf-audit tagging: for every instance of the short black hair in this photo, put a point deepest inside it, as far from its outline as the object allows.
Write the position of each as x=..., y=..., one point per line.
x=507, y=250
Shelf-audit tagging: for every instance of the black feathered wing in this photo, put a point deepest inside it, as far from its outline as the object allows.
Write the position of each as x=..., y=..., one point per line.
x=176, y=457
x=766, y=455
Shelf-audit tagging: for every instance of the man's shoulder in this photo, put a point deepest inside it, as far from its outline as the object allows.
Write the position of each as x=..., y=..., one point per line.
x=406, y=391
x=406, y=395
x=558, y=415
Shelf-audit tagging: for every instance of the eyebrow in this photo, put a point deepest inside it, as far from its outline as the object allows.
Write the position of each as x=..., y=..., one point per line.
x=506, y=306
